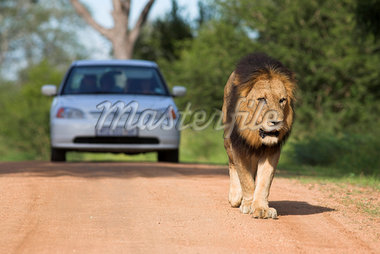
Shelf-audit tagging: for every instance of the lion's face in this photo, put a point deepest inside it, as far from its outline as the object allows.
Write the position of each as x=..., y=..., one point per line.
x=268, y=102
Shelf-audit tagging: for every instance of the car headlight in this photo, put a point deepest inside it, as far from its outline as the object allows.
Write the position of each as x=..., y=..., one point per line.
x=167, y=112
x=69, y=113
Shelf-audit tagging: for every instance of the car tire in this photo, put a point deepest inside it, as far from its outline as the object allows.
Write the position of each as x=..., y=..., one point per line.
x=168, y=156
x=58, y=155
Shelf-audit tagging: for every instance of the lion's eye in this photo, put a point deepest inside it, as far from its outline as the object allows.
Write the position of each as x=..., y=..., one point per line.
x=262, y=99
x=282, y=100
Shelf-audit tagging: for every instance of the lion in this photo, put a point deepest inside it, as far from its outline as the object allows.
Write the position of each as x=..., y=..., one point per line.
x=258, y=117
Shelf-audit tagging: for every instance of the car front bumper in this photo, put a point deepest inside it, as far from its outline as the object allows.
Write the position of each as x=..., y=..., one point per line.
x=80, y=135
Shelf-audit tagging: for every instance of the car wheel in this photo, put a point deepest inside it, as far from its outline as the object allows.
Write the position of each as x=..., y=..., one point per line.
x=58, y=154
x=168, y=156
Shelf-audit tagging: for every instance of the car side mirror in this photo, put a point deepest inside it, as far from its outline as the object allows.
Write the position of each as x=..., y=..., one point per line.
x=178, y=91
x=49, y=90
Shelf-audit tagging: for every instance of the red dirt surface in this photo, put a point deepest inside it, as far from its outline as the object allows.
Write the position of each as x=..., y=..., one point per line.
x=165, y=208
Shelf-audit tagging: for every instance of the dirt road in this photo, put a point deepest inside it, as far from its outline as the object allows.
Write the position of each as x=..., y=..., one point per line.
x=163, y=208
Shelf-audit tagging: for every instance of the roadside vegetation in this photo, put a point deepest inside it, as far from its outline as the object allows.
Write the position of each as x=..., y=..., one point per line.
x=332, y=46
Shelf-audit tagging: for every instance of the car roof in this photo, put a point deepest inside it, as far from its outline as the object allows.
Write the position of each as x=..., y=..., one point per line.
x=115, y=62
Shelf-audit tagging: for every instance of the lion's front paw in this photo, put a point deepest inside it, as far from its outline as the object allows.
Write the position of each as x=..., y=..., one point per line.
x=246, y=206
x=264, y=213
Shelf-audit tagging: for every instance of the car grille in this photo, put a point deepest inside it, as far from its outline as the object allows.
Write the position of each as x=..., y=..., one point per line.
x=116, y=140
x=112, y=115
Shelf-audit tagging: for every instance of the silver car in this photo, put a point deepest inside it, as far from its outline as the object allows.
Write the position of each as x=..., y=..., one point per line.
x=120, y=106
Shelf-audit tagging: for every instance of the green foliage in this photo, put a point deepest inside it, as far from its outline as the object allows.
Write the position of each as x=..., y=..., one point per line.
x=318, y=40
x=163, y=39
x=367, y=13
x=337, y=72
x=31, y=31
x=205, y=67
x=25, y=112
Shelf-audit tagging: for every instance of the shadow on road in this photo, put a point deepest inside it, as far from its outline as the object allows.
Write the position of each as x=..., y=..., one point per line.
x=287, y=207
x=111, y=169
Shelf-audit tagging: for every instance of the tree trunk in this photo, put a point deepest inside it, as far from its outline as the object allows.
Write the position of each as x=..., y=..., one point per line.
x=129, y=49
x=123, y=40
x=119, y=45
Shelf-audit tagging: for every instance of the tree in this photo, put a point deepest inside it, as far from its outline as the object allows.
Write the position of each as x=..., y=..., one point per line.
x=123, y=40
x=205, y=66
x=164, y=38
x=33, y=30
x=337, y=72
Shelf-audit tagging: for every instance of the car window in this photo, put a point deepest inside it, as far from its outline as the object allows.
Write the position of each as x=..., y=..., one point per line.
x=114, y=80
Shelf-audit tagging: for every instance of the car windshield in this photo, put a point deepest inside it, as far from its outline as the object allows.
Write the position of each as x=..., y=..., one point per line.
x=114, y=80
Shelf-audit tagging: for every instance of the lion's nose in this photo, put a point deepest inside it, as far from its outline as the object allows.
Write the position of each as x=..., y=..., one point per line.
x=275, y=123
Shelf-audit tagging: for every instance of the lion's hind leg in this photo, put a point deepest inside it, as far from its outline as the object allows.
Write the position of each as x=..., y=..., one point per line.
x=235, y=194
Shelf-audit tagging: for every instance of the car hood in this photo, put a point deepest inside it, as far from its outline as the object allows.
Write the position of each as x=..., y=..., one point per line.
x=89, y=103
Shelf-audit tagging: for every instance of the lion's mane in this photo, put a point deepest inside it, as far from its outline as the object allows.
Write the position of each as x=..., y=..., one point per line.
x=249, y=70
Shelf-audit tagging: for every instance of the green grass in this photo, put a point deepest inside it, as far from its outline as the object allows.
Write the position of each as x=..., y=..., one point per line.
x=203, y=146
x=366, y=206
x=318, y=174
x=9, y=154
x=75, y=156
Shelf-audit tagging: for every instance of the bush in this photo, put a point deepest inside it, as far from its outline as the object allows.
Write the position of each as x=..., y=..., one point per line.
x=349, y=153
x=24, y=111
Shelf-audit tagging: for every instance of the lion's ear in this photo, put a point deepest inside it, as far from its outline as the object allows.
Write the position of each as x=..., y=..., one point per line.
x=234, y=79
x=290, y=87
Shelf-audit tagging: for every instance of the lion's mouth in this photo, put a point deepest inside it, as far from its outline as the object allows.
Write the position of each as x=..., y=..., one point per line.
x=263, y=133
